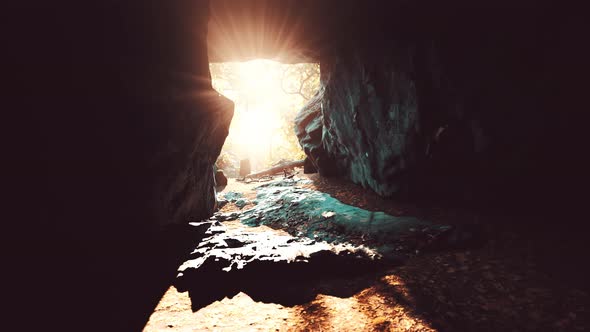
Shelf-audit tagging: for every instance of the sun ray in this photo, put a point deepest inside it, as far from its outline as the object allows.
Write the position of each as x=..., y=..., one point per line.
x=262, y=128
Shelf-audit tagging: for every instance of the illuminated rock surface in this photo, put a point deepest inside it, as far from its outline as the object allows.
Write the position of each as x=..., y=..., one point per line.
x=261, y=261
x=269, y=265
x=315, y=214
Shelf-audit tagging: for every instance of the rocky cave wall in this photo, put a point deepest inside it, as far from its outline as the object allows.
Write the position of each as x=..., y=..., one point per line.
x=114, y=120
x=124, y=124
x=112, y=130
x=454, y=101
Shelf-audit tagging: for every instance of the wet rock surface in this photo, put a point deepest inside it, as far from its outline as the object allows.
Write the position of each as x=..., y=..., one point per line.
x=309, y=213
x=309, y=130
x=242, y=202
x=232, y=196
x=268, y=265
x=313, y=238
x=364, y=124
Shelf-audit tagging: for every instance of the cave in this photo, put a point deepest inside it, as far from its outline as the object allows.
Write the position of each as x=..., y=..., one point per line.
x=462, y=110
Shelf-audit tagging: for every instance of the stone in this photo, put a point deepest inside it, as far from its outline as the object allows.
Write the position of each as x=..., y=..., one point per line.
x=263, y=263
x=225, y=216
x=242, y=202
x=233, y=196
x=221, y=203
x=317, y=215
x=220, y=178
x=114, y=104
x=309, y=131
x=362, y=123
x=228, y=162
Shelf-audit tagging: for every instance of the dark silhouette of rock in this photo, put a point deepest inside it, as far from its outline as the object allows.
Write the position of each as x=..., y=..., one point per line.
x=268, y=266
x=309, y=129
x=220, y=179
x=385, y=95
x=123, y=129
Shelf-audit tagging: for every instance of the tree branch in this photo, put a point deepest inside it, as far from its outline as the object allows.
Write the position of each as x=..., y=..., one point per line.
x=301, y=84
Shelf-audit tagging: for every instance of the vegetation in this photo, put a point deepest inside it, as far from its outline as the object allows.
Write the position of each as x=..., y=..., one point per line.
x=267, y=96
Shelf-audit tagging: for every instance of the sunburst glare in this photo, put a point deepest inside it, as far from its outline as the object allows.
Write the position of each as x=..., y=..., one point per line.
x=267, y=96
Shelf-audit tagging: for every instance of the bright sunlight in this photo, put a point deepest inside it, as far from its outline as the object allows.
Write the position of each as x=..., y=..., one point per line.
x=267, y=96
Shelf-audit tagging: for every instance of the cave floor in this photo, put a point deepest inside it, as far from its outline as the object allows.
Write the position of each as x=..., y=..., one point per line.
x=496, y=287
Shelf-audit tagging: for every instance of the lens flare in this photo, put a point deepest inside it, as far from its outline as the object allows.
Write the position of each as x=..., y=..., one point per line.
x=267, y=96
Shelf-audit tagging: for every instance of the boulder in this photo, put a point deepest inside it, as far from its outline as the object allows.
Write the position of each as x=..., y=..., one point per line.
x=310, y=130
x=242, y=202
x=220, y=178
x=267, y=265
x=363, y=123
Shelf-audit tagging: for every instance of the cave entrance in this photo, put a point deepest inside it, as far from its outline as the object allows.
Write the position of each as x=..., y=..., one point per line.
x=267, y=95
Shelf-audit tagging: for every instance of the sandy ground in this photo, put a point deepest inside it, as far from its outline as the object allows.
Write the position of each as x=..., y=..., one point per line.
x=494, y=288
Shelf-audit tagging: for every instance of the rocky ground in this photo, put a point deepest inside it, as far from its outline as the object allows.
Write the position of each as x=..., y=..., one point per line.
x=441, y=270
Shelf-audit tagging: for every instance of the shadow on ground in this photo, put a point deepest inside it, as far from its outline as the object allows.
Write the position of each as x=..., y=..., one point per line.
x=119, y=286
x=283, y=284
x=272, y=266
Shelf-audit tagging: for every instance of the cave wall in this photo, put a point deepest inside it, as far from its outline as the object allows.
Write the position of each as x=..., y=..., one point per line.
x=454, y=101
x=370, y=118
x=121, y=119
x=124, y=120
x=113, y=128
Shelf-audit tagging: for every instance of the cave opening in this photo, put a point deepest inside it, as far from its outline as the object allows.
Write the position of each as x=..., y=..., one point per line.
x=113, y=130
x=267, y=96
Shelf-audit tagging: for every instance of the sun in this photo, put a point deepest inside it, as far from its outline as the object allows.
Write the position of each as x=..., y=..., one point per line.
x=262, y=127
